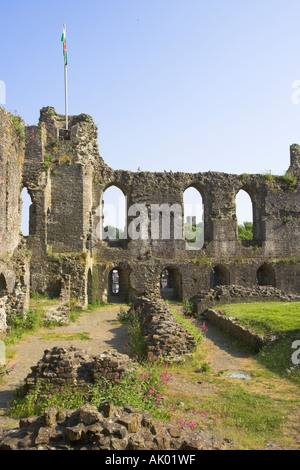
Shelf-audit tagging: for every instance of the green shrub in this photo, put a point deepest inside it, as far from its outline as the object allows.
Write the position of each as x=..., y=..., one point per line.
x=187, y=307
x=193, y=326
x=137, y=342
x=25, y=320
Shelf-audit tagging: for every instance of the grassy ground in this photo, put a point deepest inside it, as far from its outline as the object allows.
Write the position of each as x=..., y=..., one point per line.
x=251, y=412
x=266, y=317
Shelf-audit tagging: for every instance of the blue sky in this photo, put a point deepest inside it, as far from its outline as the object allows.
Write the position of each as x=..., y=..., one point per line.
x=181, y=85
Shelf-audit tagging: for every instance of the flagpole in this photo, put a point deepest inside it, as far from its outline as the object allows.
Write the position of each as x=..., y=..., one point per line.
x=66, y=65
x=66, y=97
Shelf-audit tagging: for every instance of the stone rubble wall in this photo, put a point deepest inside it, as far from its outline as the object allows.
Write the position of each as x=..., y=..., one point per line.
x=90, y=428
x=104, y=428
x=163, y=334
x=230, y=325
x=74, y=367
x=237, y=294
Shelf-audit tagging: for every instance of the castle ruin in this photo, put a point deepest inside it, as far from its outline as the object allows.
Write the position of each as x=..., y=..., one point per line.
x=65, y=252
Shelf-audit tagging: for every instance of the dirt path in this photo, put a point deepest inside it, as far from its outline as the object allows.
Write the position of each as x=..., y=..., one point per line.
x=223, y=356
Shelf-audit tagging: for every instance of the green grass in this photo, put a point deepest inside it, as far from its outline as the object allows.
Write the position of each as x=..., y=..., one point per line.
x=94, y=305
x=250, y=417
x=266, y=317
x=66, y=336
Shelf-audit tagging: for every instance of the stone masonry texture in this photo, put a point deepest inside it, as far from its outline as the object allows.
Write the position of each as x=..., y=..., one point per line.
x=14, y=255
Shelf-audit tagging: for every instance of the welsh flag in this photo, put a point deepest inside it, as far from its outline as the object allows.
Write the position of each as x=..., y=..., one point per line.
x=63, y=38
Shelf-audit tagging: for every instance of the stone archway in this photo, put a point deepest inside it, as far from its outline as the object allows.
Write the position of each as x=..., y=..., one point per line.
x=220, y=276
x=118, y=285
x=266, y=275
x=171, y=284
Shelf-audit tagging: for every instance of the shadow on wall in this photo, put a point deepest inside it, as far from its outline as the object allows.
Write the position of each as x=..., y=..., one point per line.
x=3, y=287
x=266, y=276
x=220, y=276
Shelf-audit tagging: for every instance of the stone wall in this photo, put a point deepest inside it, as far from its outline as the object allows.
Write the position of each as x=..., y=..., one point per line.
x=67, y=200
x=14, y=256
x=72, y=367
x=67, y=178
x=105, y=428
x=164, y=335
x=231, y=326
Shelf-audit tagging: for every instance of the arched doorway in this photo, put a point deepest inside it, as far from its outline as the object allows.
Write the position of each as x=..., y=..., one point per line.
x=89, y=287
x=220, y=276
x=170, y=284
x=28, y=220
x=118, y=285
x=266, y=275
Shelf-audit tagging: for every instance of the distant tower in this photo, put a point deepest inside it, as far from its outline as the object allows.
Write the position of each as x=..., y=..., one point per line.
x=191, y=220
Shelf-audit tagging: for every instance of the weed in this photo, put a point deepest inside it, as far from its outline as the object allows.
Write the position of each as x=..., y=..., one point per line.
x=187, y=307
x=5, y=370
x=131, y=318
x=66, y=336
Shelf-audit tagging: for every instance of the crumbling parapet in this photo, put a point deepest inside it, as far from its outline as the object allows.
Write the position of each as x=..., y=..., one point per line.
x=294, y=168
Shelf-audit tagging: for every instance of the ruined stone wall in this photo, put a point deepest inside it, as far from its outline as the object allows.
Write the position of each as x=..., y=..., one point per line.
x=238, y=294
x=231, y=327
x=107, y=428
x=276, y=209
x=163, y=334
x=58, y=175
x=14, y=257
x=67, y=178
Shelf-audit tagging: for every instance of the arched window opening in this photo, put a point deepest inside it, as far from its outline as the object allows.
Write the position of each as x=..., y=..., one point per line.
x=3, y=287
x=28, y=220
x=170, y=284
x=114, y=219
x=118, y=285
x=244, y=215
x=266, y=276
x=220, y=276
x=193, y=219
